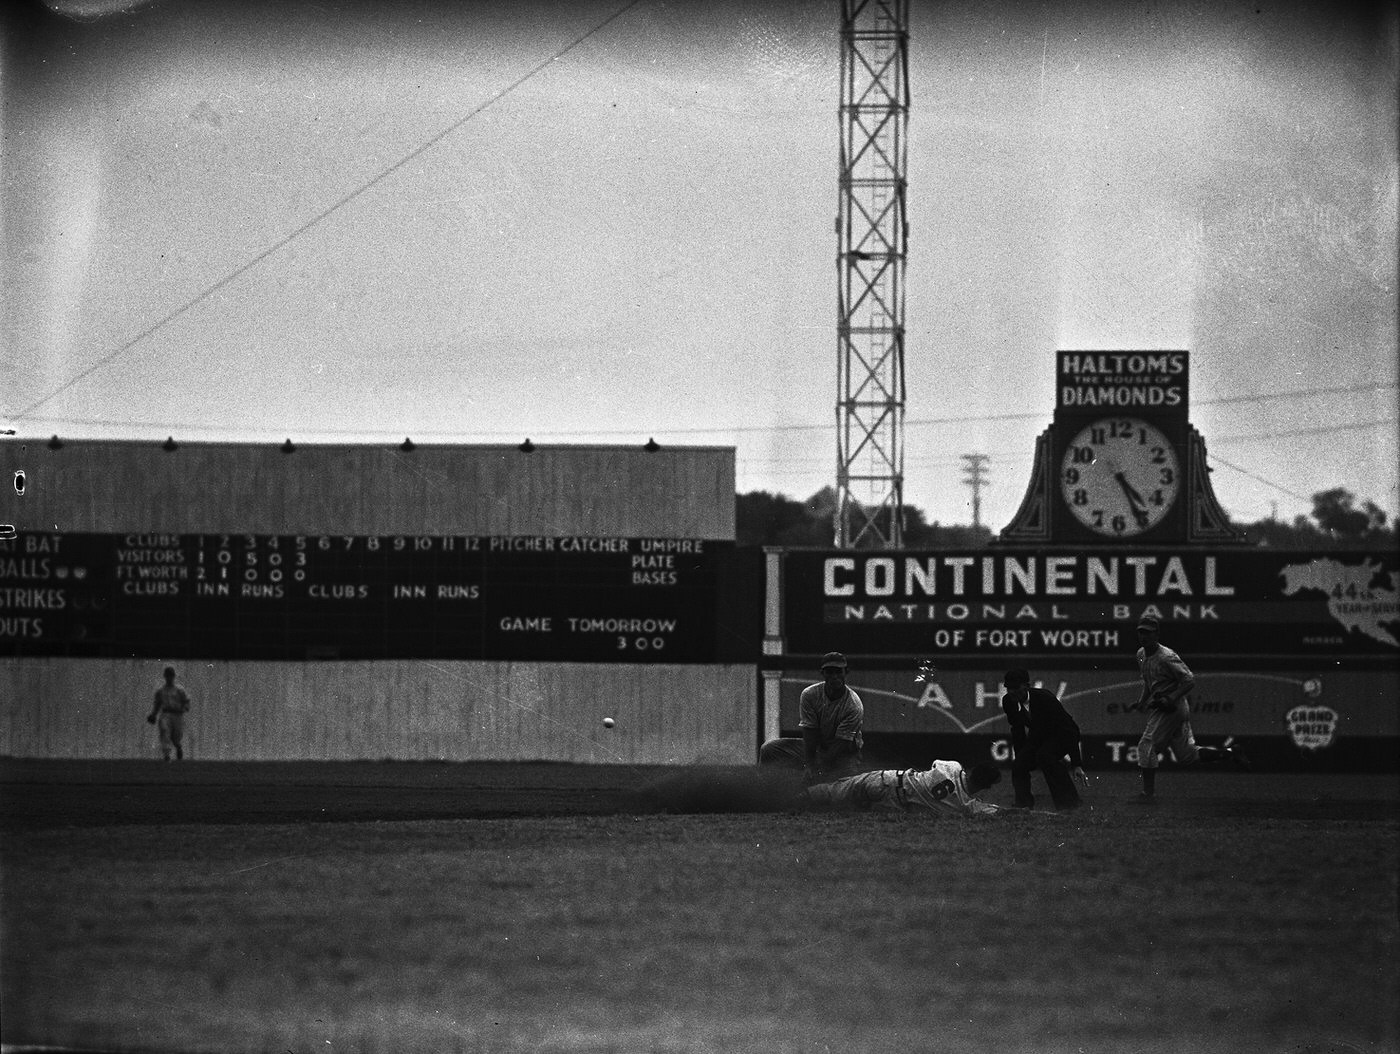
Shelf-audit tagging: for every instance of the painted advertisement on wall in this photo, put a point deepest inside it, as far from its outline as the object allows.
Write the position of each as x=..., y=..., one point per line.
x=1085, y=603
x=1313, y=708
x=1307, y=715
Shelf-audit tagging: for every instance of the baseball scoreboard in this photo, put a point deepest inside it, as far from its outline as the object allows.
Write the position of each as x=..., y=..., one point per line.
x=297, y=597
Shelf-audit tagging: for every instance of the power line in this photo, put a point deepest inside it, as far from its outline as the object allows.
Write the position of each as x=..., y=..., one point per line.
x=1297, y=394
x=1319, y=430
x=318, y=217
x=746, y=429
x=1267, y=482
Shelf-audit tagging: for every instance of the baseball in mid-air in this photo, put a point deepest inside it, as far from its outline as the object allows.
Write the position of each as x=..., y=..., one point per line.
x=608, y=722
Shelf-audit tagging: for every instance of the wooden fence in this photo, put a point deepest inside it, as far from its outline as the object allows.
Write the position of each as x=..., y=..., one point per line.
x=342, y=711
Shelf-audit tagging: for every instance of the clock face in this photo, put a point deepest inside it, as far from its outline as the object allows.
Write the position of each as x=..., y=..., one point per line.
x=1119, y=476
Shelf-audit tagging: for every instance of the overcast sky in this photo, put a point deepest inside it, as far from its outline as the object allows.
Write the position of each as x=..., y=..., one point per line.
x=602, y=222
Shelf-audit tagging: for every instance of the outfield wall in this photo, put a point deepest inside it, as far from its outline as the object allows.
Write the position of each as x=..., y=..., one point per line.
x=1292, y=716
x=297, y=594
x=402, y=710
x=1296, y=654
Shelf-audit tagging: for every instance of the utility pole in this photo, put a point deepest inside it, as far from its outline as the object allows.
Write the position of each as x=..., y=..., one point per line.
x=872, y=233
x=975, y=477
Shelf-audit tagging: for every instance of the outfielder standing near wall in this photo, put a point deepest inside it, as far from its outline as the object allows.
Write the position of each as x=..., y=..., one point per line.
x=168, y=712
x=1166, y=683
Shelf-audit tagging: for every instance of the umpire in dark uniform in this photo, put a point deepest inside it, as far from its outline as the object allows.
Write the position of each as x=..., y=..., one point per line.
x=1043, y=735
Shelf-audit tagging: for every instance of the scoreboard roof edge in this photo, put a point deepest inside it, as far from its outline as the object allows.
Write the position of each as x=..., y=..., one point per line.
x=397, y=444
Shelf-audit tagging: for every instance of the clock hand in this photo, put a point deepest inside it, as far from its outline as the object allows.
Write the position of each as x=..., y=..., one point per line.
x=1133, y=495
x=1134, y=499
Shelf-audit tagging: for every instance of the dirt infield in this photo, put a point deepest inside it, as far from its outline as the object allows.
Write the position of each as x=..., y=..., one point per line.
x=538, y=907
x=39, y=794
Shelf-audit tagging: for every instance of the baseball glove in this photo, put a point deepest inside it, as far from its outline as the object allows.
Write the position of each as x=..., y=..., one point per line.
x=1162, y=703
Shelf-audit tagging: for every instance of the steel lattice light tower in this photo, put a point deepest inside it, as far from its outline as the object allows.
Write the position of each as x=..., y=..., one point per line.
x=872, y=232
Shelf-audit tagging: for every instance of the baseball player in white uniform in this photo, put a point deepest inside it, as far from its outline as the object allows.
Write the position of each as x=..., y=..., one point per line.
x=168, y=712
x=1166, y=684
x=943, y=785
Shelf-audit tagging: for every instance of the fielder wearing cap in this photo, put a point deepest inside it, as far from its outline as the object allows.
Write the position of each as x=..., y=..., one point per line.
x=1166, y=683
x=830, y=715
x=168, y=712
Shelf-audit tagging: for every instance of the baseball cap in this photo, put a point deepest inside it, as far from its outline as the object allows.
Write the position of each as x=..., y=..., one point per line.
x=1016, y=677
x=1148, y=622
x=833, y=658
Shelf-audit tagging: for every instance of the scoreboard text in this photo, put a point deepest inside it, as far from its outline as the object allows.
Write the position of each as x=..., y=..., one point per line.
x=257, y=596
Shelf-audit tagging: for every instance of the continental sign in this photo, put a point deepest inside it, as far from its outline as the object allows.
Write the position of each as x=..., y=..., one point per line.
x=1032, y=603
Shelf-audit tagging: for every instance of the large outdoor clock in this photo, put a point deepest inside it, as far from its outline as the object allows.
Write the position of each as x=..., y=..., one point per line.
x=1120, y=476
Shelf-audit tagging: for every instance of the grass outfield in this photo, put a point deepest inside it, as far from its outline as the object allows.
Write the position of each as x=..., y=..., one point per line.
x=555, y=908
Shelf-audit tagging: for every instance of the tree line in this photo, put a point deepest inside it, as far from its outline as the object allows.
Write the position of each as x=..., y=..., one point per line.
x=1337, y=521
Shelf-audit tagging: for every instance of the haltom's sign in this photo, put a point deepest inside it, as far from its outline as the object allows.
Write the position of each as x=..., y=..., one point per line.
x=1098, y=381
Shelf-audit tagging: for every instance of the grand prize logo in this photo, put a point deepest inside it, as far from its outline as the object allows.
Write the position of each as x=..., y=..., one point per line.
x=1311, y=725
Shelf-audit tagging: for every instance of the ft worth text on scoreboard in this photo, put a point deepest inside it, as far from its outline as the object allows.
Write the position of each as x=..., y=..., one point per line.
x=590, y=599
